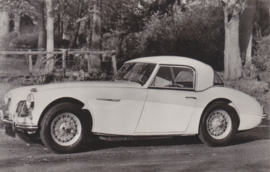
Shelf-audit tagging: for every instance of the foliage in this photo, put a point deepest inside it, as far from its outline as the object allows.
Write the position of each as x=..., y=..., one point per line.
x=6, y=40
x=261, y=21
x=28, y=40
x=261, y=58
x=197, y=33
x=257, y=89
x=8, y=83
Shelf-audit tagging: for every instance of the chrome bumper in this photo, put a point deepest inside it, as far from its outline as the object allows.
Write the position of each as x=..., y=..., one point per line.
x=16, y=126
x=264, y=116
x=19, y=126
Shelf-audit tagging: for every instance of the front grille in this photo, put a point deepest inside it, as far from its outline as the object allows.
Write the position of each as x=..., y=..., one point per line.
x=22, y=109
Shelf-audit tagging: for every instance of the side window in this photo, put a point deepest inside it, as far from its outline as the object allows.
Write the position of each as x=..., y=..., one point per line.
x=163, y=77
x=217, y=80
x=174, y=77
x=184, y=75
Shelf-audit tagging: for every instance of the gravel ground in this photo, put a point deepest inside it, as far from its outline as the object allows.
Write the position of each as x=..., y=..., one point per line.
x=250, y=151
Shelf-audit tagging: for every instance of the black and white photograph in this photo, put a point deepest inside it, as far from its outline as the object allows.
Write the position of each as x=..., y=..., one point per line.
x=134, y=85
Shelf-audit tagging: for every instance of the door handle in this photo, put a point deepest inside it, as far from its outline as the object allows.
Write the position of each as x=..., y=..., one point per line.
x=188, y=97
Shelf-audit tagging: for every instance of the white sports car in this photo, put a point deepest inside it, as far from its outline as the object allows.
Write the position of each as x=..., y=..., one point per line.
x=153, y=96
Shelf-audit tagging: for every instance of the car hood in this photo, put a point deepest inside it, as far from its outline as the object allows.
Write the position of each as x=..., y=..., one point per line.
x=87, y=84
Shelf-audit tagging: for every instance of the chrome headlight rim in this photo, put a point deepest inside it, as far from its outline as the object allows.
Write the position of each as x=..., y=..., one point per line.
x=30, y=101
x=7, y=98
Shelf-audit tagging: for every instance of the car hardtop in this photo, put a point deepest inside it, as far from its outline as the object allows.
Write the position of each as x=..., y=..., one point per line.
x=204, y=73
x=169, y=60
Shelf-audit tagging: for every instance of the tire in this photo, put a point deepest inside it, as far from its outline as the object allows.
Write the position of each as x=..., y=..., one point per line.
x=29, y=138
x=218, y=125
x=64, y=129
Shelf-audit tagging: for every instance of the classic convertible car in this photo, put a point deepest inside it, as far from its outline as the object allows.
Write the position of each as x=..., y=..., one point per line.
x=153, y=96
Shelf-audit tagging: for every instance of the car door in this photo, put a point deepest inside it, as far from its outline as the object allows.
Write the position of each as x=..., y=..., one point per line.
x=116, y=110
x=170, y=101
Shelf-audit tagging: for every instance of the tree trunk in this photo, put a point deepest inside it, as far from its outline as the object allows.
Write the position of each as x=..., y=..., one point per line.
x=118, y=47
x=94, y=60
x=245, y=31
x=76, y=32
x=17, y=19
x=74, y=36
x=50, y=37
x=232, y=58
x=248, y=61
x=41, y=34
x=4, y=21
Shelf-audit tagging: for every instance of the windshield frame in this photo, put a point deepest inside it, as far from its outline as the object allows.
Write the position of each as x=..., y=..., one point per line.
x=136, y=81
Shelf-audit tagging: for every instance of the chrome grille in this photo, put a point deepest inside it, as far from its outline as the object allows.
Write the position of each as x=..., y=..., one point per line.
x=22, y=109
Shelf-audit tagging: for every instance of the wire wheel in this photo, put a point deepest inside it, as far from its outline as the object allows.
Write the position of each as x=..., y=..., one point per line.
x=66, y=129
x=219, y=124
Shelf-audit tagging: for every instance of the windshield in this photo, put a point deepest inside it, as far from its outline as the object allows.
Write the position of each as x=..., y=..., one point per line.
x=135, y=72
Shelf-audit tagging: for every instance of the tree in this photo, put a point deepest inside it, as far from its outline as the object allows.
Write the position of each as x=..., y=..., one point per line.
x=79, y=12
x=94, y=60
x=50, y=36
x=245, y=31
x=39, y=5
x=4, y=29
x=232, y=58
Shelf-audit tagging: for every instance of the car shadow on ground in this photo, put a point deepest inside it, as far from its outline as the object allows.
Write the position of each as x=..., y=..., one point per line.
x=99, y=144
x=261, y=132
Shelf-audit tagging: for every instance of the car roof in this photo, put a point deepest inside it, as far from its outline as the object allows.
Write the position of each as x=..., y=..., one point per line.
x=204, y=72
x=172, y=60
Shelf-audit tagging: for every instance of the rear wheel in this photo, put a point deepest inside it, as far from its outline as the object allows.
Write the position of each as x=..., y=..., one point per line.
x=218, y=125
x=64, y=129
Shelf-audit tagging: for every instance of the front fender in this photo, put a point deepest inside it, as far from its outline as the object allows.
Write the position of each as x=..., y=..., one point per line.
x=46, y=97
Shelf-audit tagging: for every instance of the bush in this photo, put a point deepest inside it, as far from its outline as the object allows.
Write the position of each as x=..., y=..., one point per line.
x=6, y=40
x=29, y=40
x=256, y=89
x=261, y=59
x=26, y=40
x=8, y=83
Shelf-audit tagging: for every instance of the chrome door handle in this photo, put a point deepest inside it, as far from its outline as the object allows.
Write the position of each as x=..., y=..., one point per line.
x=188, y=97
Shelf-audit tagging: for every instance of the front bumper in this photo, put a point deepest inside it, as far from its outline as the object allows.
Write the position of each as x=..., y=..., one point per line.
x=19, y=126
x=13, y=126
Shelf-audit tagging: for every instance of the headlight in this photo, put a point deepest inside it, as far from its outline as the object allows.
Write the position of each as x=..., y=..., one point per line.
x=7, y=98
x=30, y=101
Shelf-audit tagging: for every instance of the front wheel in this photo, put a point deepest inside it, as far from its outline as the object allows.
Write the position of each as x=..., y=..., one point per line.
x=218, y=125
x=63, y=128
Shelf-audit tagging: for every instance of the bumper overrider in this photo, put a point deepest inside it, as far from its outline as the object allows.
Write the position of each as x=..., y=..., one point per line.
x=20, y=121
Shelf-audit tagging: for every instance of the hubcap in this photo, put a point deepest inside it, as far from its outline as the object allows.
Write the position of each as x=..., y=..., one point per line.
x=219, y=124
x=66, y=129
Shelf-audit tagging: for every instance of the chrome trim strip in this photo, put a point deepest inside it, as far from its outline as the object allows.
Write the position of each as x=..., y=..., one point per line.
x=112, y=100
x=187, y=97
